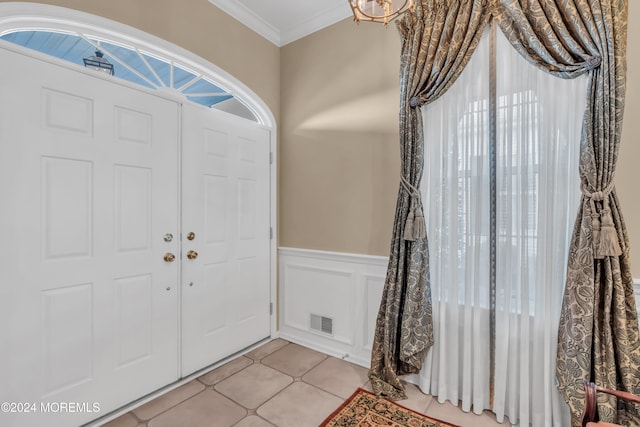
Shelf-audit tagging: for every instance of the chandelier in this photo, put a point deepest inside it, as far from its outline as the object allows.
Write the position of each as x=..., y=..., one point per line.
x=382, y=11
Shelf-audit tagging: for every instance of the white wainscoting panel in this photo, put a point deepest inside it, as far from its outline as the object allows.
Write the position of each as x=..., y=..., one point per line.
x=343, y=289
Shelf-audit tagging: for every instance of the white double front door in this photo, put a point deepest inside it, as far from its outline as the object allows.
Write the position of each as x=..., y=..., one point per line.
x=135, y=241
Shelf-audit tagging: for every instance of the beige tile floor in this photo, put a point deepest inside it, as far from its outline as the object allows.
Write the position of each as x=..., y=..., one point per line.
x=279, y=384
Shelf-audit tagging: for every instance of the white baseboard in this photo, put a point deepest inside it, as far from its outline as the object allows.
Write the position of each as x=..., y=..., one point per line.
x=327, y=348
x=344, y=289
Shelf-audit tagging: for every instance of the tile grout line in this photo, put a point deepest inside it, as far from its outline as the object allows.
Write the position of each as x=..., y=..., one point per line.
x=283, y=363
x=171, y=407
x=206, y=386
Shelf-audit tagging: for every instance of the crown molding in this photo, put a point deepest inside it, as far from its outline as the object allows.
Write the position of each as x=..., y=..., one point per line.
x=315, y=23
x=280, y=38
x=249, y=18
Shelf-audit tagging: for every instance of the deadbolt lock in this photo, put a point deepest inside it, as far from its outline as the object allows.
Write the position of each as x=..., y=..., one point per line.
x=191, y=235
x=168, y=237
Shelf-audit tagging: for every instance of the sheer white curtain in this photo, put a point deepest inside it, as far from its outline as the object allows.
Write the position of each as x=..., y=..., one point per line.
x=538, y=120
x=456, y=200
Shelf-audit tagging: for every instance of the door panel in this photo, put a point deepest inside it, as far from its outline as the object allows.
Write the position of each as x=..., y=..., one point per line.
x=225, y=299
x=91, y=188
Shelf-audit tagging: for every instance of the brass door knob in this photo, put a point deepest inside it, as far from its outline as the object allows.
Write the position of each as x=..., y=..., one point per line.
x=192, y=254
x=169, y=257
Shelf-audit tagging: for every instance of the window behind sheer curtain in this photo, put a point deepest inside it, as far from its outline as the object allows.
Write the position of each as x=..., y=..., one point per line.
x=538, y=120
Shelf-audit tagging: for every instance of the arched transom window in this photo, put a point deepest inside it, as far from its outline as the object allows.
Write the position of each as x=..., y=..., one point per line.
x=134, y=65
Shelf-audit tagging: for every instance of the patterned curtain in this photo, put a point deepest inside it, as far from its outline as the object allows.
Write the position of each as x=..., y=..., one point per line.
x=438, y=38
x=598, y=331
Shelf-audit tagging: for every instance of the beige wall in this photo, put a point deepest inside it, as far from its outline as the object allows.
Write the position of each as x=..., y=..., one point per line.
x=339, y=155
x=628, y=172
x=202, y=28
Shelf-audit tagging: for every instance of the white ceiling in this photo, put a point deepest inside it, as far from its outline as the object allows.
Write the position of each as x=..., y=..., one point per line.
x=284, y=21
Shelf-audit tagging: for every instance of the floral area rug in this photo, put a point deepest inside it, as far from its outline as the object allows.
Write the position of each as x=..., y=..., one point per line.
x=364, y=409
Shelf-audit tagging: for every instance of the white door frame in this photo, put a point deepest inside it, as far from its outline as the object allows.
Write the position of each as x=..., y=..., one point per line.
x=25, y=16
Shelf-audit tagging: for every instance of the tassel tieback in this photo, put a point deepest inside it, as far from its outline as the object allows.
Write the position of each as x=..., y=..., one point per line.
x=604, y=233
x=408, y=227
x=419, y=226
x=414, y=227
x=609, y=244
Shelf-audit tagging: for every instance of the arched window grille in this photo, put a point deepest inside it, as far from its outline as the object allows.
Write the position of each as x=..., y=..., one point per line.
x=134, y=65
